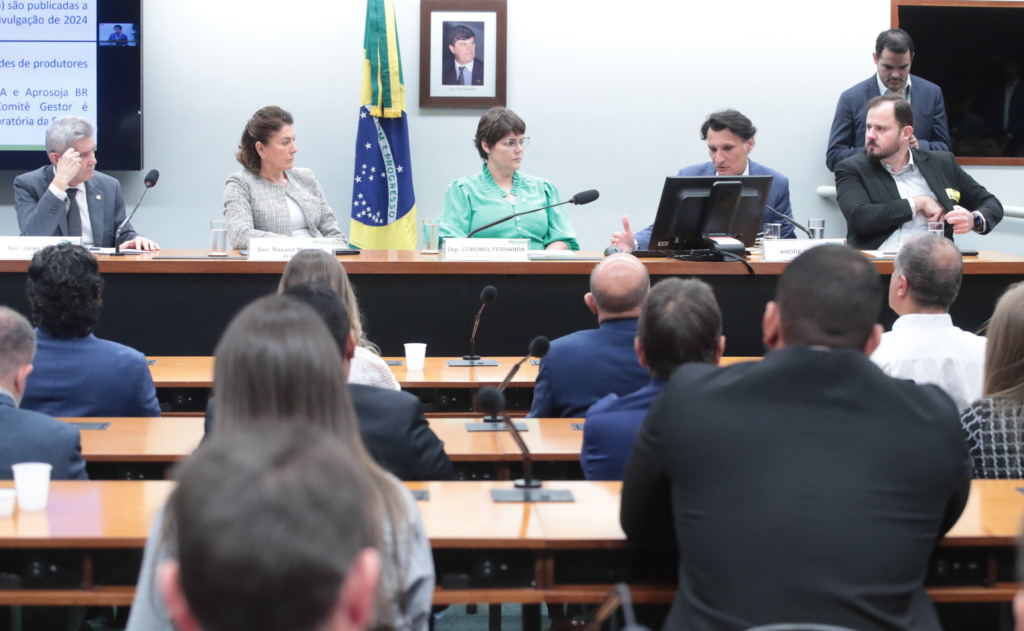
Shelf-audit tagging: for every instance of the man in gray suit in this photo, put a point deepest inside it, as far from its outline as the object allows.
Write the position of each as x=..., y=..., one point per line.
x=27, y=436
x=68, y=197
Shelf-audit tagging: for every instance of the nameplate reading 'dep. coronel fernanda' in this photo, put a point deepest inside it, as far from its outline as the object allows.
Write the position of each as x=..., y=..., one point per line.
x=284, y=248
x=486, y=249
x=777, y=250
x=22, y=248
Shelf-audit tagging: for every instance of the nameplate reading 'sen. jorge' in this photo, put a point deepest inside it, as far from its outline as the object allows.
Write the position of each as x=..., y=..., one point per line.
x=284, y=248
x=22, y=248
x=486, y=249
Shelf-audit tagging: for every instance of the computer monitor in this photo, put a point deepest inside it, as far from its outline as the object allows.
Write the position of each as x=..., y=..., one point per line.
x=692, y=208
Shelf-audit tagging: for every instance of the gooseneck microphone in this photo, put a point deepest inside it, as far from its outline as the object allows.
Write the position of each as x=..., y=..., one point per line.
x=539, y=347
x=487, y=296
x=150, y=182
x=790, y=221
x=578, y=199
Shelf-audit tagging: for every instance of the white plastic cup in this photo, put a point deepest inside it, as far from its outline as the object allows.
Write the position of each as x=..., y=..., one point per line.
x=415, y=356
x=7, y=502
x=32, y=482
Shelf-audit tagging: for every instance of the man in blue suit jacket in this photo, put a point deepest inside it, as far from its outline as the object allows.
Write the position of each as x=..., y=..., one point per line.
x=680, y=323
x=30, y=436
x=584, y=366
x=76, y=373
x=43, y=198
x=894, y=51
x=730, y=137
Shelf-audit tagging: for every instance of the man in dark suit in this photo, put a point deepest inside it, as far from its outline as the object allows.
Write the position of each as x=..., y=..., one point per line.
x=69, y=197
x=890, y=191
x=680, y=323
x=463, y=68
x=585, y=366
x=27, y=436
x=77, y=373
x=391, y=423
x=894, y=52
x=730, y=138
x=808, y=486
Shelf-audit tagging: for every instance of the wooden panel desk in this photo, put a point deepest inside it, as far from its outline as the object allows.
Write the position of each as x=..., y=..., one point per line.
x=530, y=549
x=190, y=298
x=162, y=440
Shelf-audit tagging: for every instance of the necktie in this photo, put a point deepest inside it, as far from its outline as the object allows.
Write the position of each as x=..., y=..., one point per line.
x=74, y=216
x=462, y=79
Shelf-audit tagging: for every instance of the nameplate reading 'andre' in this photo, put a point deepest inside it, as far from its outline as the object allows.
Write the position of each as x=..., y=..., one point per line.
x=285, y=248
x=22, y=248
x=486, y=249
x=777, y=250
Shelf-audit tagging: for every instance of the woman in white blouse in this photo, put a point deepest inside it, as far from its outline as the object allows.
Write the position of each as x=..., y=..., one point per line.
x=317, y=266
x=270, y=197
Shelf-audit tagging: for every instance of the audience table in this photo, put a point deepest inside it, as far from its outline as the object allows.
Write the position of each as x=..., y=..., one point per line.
x=539, y=552
x=178, y=302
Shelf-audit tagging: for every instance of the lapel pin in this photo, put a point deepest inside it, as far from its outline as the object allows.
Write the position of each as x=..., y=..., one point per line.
x=98, y=196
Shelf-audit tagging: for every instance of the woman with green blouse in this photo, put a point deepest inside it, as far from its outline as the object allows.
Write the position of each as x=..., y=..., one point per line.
x=500, y=190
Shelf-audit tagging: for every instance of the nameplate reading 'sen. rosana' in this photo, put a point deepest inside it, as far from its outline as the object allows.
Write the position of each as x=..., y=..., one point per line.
x=284, y=248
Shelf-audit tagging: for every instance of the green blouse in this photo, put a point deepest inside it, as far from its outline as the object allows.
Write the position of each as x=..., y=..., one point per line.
x=476, y=200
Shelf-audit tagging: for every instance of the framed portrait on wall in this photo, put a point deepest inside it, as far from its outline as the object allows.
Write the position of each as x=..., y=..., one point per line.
x=462, y=53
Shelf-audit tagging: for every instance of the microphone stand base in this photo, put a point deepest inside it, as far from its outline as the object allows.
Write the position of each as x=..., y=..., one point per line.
x=470, y=363
x=493, y=426
x=531, y=495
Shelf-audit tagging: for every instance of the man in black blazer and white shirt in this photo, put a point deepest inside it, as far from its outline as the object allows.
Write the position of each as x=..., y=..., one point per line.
x=890, y=192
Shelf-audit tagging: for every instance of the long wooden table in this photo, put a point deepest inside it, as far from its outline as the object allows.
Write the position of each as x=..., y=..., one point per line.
x=534, y=548
x=178, y=302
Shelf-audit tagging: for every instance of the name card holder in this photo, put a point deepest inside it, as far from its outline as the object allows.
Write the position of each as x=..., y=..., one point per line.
x=22, y=248
x=780, y=250
x=284, y=248
x=508, y=250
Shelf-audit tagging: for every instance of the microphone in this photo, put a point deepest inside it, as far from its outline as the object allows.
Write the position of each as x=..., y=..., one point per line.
x=578, y=199
x=150, y=182
x=790, y=221
x=487, y=296
x=539, y=347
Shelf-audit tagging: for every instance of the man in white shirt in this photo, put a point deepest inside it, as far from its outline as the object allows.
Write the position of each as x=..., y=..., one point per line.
x=923, y=345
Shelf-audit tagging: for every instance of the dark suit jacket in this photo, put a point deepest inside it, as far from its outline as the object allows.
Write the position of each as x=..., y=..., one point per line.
x=395, y=433
x=819, y=502
x=608, y=433
x=27, y=436
x=87, y=376
x=585, y=366
x=871, y=203
x=778, y=198
x=448, y=74
x=850, y=121
x=41, y=214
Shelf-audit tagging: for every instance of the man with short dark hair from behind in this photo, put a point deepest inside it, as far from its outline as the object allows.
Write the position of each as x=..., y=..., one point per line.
x=271, y=531
x=923, y=345
x=816, y=502
x=894, y=52
x=27, y=436
x=587, y=365
x=680, y=323
x=76, y=373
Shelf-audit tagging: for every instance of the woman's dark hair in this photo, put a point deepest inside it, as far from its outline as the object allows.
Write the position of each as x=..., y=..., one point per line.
x=495, y=124
x=263, y=124
x=64, y=286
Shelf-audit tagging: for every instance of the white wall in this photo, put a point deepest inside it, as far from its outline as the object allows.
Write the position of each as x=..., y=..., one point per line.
x=613, y=99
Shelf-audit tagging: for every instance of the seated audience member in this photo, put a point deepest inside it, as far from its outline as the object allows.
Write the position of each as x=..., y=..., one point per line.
x=76, y=373
x=891, y=191
x=277, y=366
x=270, y=197
x=317, y=266
x=730, y=138
x=391, y=423
x=585, y=366
x=809, y=485
x=894, y=52
x=291, y=515
x=680, y=323
x=923, y=345
x=27, y=436
x=68, y=197
x=994, y=424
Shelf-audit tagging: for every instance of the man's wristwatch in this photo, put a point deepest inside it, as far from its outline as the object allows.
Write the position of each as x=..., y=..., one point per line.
x=979, y=222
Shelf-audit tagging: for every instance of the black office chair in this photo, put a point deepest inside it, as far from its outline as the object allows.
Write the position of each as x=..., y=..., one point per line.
x=799, y=626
